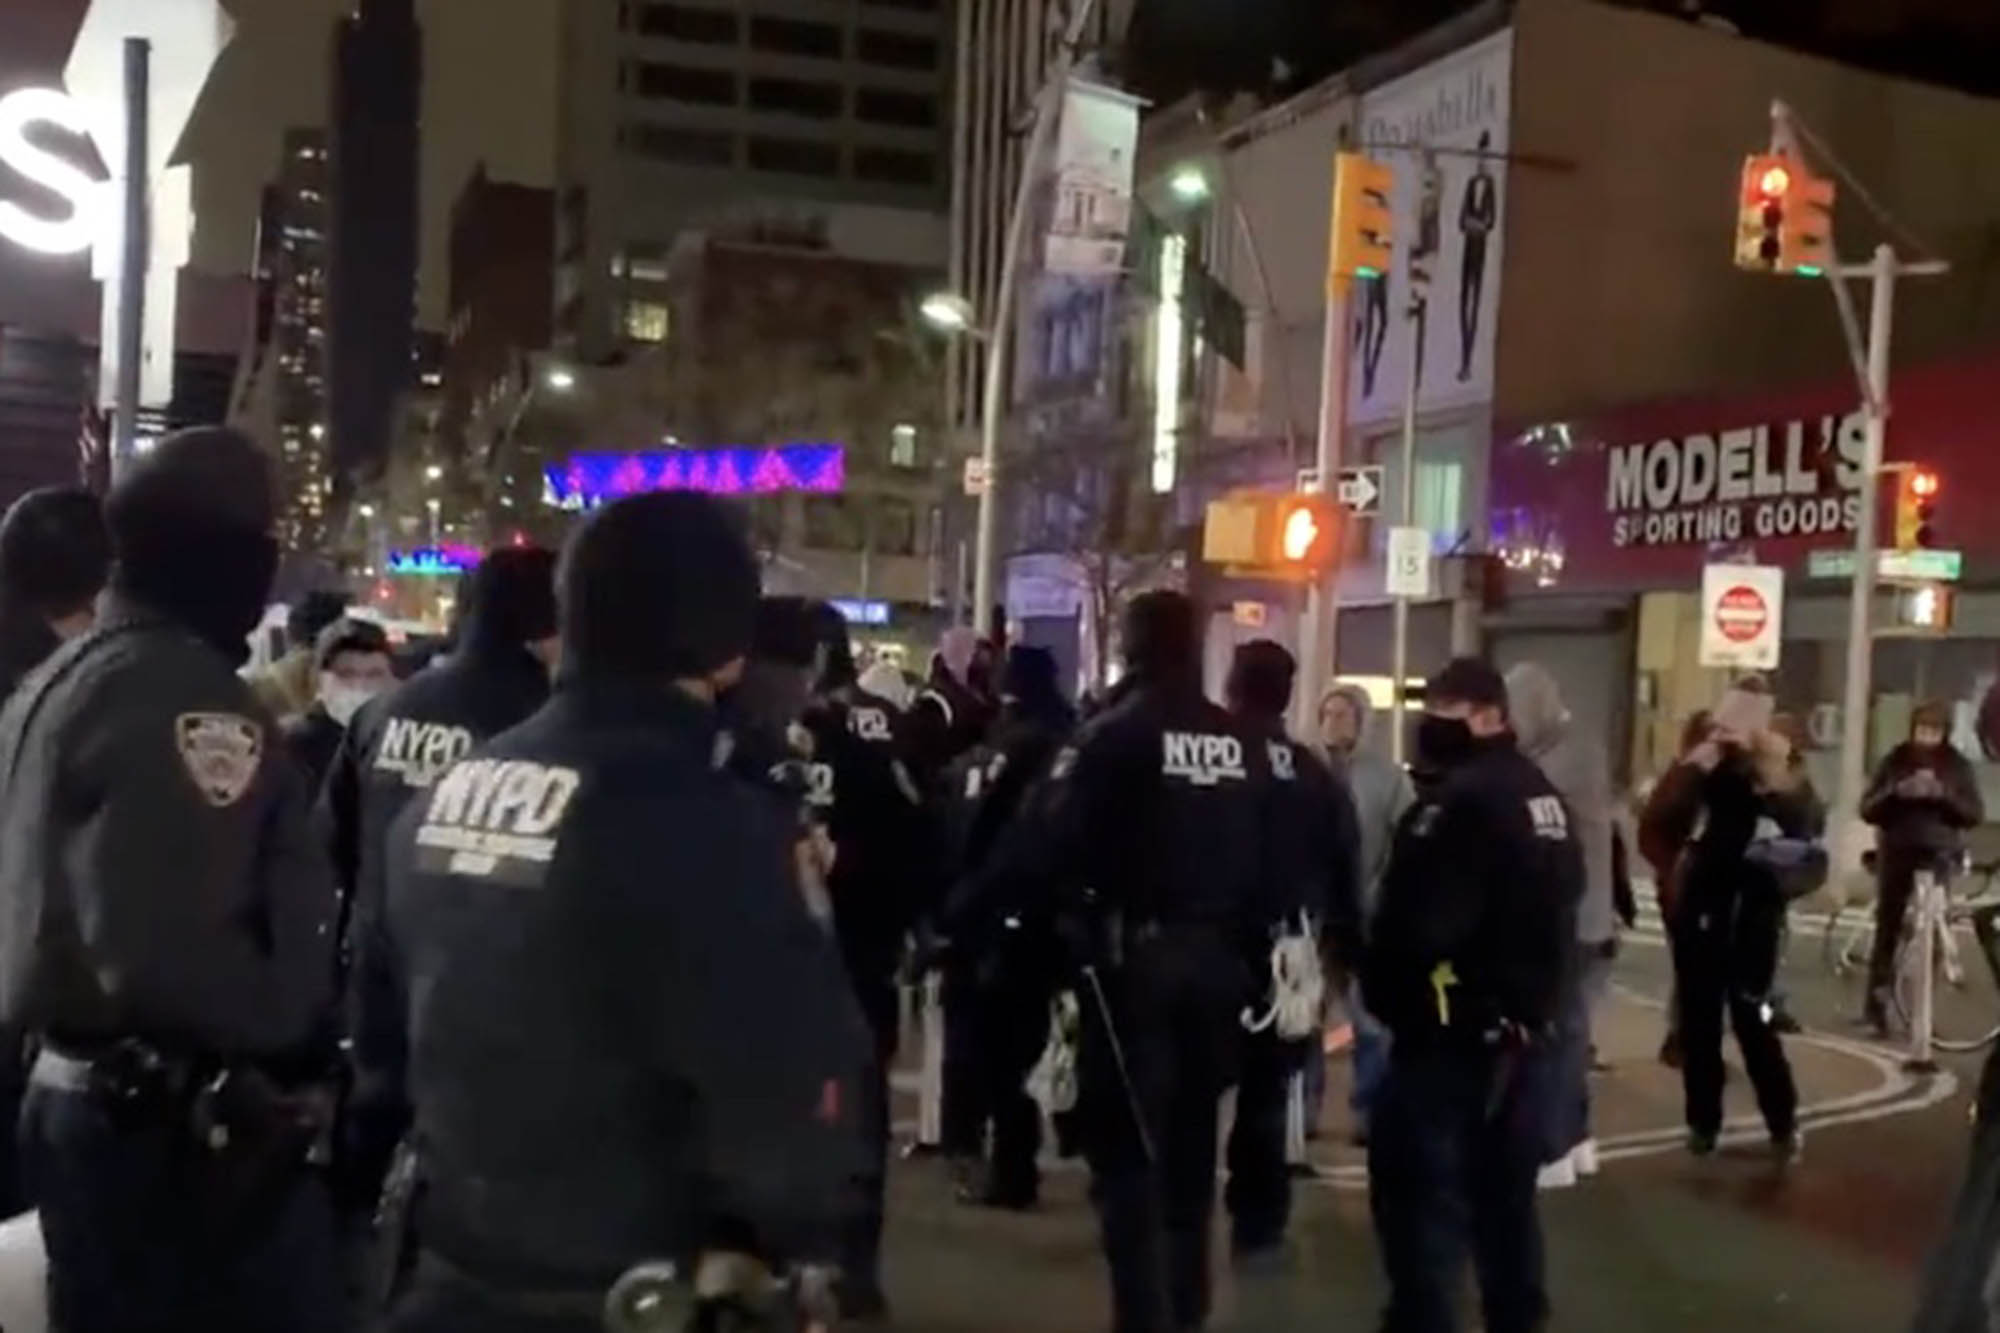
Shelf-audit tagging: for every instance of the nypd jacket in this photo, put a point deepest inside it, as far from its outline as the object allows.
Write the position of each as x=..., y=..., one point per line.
x=625, y=1030
x=1478, y=914
x=157, y=874
x=885, y=846
x=396, y=747
x=1314, y=843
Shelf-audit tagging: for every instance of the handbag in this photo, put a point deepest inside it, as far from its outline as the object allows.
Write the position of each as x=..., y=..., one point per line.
x=1798, y=866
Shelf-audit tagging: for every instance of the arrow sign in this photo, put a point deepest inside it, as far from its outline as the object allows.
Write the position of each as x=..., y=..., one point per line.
x=1360, y=489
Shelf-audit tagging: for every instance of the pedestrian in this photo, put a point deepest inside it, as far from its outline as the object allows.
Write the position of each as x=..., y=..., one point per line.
x=1923, y=798
x=1312, y=840
x=1577, y=766
x=1381, y=792
x=1665, y=825
x=149, y=822
x=630, y=1041
x=884, y=866
x=55, y=557
x=886, y=681
x=288, y=686
x=395, y=748
x=1151, y=834
x=355, y=665
x=1465, y=967
x=1004, y=963
x=1724, y=920
x=950, y=715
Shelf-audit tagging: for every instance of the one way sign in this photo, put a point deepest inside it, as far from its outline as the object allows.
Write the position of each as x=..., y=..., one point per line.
x=1360, y=490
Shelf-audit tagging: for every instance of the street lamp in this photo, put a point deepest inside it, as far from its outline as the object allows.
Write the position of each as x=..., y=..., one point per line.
x=561, y=378
x=1189, y=185
x=949, y=312
x=433, y=473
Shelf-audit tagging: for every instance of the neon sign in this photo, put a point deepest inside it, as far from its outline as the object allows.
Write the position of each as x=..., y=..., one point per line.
x=85, y=199
x=592, y=479
x=862, y=613
x=434, y=562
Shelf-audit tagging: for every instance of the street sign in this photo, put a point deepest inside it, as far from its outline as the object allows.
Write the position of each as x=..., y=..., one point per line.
x=1918, y=566
x=1409, y=562
x=1742, y=609
x=975, y=476
x=1360, y=490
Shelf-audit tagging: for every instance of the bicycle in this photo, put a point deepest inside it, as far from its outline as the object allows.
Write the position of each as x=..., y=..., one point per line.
x=1846, y=944
x=1970, y=1021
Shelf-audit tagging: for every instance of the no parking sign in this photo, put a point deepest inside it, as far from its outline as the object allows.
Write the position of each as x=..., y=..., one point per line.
x=1742, y=613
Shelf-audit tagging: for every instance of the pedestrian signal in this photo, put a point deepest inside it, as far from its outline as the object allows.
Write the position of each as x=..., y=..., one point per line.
x=1264, y=534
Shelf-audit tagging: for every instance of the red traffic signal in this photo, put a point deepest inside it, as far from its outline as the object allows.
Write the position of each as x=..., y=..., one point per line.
x=1916, y=509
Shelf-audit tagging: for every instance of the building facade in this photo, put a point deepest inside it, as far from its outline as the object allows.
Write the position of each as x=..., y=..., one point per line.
x=681, y=113
x=372, y=232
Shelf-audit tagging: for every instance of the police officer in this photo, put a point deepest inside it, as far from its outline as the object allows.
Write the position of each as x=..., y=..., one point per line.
x=172, y=940
x=883, y=860
x=1465, y=968
x=1157, y=809
x=397, y=745
x=1314, y=846
x=55, y=556
x=1003, y=964
x=595, y=902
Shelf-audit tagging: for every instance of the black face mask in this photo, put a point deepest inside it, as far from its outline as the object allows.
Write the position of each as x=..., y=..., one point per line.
x=1443, y=741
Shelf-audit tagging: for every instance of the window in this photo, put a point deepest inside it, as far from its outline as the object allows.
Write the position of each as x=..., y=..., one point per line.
x=685, y=83
x=903, y=446
x=799, y=157
x=881, y=107
x=646, y=321
x=890, y=167
x=1438, y=498
x=668, y=143
x=833, y=523
x=895, y=526
x=820, y=101
x=683, y=23
x=646, y=268
x=795, y=37
x=900, y=50
x=920, y=6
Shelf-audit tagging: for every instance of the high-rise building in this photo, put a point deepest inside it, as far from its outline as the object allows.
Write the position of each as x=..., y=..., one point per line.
x=831, y=123
x=284, y=387
x=377, y=77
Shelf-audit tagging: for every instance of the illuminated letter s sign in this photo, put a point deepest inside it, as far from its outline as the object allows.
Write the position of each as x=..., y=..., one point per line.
x=85, y=197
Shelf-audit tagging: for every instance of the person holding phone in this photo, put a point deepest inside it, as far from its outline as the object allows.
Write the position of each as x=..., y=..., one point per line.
x=1922, y=799
x=1725, y=925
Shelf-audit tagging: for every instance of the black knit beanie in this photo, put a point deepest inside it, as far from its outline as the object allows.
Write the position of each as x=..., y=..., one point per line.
x=1260, y=678
x=1161, y=641
x=662, y=584
x=510, y=599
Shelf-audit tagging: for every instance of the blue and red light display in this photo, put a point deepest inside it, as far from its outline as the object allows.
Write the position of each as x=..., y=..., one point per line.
x=585, y=480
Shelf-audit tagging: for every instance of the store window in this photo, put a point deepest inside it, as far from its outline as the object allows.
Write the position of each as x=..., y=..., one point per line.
x=1440, y=498
x=646, y=321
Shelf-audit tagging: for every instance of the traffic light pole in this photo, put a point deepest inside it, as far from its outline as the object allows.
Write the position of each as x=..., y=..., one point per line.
x=1319, y=640
x=1399, y=669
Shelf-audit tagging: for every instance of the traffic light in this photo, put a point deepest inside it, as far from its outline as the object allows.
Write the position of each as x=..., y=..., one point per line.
x=1784, y=218
x=1281, y=535
x=1916, y=509
x=1360, y=244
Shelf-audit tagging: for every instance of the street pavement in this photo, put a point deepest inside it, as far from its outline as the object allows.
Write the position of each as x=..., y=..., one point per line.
x=1659, y=1241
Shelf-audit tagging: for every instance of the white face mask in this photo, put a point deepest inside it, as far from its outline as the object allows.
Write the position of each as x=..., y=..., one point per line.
x=342, y=701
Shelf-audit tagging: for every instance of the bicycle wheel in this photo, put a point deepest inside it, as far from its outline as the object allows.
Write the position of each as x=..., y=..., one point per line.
x=1966, y=1016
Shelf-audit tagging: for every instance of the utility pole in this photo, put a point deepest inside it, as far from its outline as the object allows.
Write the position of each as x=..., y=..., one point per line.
x=1319, y=651
x=1399, y=669
x=133, y=253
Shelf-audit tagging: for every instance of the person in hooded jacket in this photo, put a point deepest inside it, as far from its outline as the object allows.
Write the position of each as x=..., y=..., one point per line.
x=1151, y=828
x=951, y=714
x=1724, y=922
x=354, y=666
x=289, y=685
x=1381, y=792
x=55, y=557
x=183, y=959
x=884, y=863
x=629, y=1042
x=397, y=746
x=1577, y=765
x=1003, y=964
x=1923, y=798
x=1315, y=847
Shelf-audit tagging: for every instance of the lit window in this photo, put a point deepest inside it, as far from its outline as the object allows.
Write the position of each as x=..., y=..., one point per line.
x=646, y=321
x=903, y=446
x=1439, y=495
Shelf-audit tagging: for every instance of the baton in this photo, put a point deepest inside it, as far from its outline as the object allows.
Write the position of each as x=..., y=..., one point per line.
x=1118, y=1058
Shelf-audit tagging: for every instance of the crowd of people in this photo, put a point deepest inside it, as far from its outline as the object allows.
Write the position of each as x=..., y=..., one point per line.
x=340, y=996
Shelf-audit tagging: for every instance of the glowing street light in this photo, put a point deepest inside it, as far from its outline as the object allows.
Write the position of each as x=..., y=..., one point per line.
x=562, y=379
x=366, y=511
x=433, y=473
x=1189, y=185
x=948, y=311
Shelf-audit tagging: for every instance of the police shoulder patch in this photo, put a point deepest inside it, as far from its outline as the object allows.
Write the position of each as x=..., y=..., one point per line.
x=222, y=752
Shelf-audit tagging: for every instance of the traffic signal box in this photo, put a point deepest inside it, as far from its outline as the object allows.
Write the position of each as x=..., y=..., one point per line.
x=1784, y=218
x=1916, y=509
x=1259, y=534
x=1360, y=244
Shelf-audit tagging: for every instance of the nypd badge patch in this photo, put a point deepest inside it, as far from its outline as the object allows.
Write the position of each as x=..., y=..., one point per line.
x=222, y=752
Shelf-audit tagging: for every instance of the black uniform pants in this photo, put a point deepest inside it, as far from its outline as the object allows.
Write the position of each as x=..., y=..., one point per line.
x=1259, y=1195
x=861, y=1231
x=1014, y=1027
x=963, y=1082
x=124, y=1253
x=441, y=1300
x=1453, y=1149
x=1725, y=956
x=1150, y=1086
